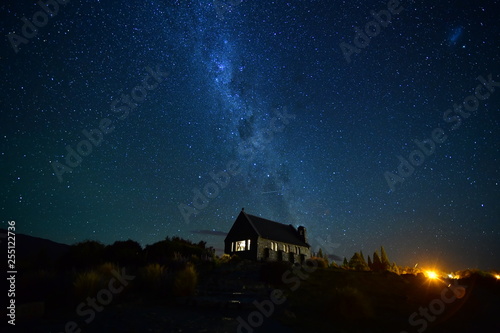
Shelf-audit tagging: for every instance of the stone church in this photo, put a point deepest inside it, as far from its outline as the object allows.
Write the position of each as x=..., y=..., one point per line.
x=255, y=238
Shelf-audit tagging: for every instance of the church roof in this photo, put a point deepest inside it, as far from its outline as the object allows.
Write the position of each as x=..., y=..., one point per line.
x=275, y=231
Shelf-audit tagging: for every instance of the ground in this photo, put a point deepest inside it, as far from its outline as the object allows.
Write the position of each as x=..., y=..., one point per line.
x=277, y=298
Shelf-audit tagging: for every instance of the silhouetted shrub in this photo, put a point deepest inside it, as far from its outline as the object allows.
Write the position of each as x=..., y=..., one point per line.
x=321, y=262
x=106, y=269
x=185, y=281
x=177, y=249
x=152, y=278
x=235, y=259
x=87, y=284
x=468, y=273
x=84, y=255
x=125, y=253
x=222, y=260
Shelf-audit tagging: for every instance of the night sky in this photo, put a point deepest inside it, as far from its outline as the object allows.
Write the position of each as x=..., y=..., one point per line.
x=299, y=115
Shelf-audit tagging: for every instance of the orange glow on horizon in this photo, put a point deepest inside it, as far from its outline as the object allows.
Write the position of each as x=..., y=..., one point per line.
x=432, y=275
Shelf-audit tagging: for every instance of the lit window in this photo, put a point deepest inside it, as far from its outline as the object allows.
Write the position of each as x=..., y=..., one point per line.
x=240, y=246
x=232, y=246
x=274, y=246
x=248, y=244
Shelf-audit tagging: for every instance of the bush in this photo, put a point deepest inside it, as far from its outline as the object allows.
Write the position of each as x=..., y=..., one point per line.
x=321, y=262
x=125, y=253
x=468, y=273
x=185, y=281
x=87, y=284
x=334, y=264
x=226, y=259
x=235, y=259
x=153, y=277
x=222, y=260
x=106, y=269
x=177, y=249
x=84, y=255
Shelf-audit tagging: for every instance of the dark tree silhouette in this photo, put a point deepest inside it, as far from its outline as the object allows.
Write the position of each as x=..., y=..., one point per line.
x=321, y=255
x=386, y=264
x=377, y=263
x=178, y=250
x=358, y=263
x=124, y=253
x=84, y=255
x=362, y=256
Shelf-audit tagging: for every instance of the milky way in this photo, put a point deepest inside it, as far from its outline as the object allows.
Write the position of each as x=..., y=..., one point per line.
x=206, y=109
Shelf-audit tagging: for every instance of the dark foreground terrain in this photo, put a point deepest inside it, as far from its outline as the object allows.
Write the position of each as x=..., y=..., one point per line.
x=273, y=297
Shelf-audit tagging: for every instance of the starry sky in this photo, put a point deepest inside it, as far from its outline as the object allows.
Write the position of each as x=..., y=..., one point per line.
x=147, y=119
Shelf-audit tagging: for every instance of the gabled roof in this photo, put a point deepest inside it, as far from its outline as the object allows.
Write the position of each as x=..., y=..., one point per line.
x=274, y=231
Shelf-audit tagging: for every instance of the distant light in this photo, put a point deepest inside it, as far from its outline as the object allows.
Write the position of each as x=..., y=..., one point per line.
x=497, y=276
x=432, y=275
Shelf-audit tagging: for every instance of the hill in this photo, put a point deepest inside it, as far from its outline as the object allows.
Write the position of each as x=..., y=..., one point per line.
x=32, y=250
